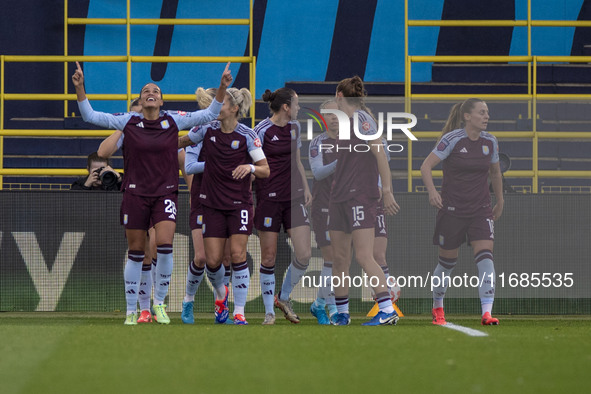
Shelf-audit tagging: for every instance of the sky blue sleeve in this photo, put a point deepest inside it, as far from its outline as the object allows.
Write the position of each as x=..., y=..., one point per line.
x=495, y=155
x=197, y=134
x=444, y=147
x=192, y=163
x=186, y=120
x=102, y=119
x=319, y=170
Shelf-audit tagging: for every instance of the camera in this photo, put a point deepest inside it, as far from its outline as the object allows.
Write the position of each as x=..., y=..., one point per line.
x=108, y=178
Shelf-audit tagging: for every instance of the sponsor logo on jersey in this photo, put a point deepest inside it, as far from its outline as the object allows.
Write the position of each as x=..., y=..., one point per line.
x=257, y=142
x=442, y=144
x=140, y=124
x=485, y=149
x=243, y=228
x=464, y=150
x=132, y=186
x=165, y=124
x=212, y=139
x=171, y=216
x=314, y=152
x=200, y=219
x=268, y=222
x=273, y=194
x=203, y=196
x=356, y=224
x=182, y=113
x=274, y=138
x=235, y=144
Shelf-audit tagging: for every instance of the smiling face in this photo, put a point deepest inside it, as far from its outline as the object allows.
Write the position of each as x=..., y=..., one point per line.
x=151, y=97
x=477, y=118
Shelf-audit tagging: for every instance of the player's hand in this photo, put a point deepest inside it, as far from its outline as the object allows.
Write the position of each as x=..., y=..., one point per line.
x=307, y=198
x=435, y=200
x=391, y=207
x=241, y=171
x=497, y=211
x=227, y=76
x=78, y=77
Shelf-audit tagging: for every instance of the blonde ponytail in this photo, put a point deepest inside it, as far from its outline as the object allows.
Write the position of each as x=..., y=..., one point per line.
x=204, y=97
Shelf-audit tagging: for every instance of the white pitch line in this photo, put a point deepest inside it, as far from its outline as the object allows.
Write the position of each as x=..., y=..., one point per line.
x=466, y=330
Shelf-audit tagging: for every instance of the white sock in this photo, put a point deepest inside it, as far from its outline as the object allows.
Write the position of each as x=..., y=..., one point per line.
x=163, y=273
x=194, y=277
x=443, y=271
x=216, y=278
x=325, y=277
x=132, y=276
x=486, y=270
x=240, y=282
x=145, y=287
x=384, y=302
x=295, y=271
x=267, y=277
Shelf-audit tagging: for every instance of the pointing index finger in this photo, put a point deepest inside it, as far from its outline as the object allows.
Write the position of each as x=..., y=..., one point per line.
x=78, y=66
x=227, y=67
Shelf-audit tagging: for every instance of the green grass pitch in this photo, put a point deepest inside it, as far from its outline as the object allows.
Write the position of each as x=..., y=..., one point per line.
x=90, y=353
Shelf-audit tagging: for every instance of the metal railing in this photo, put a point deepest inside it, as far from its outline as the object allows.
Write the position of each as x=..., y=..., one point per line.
x=127, y=96
x=532, y=95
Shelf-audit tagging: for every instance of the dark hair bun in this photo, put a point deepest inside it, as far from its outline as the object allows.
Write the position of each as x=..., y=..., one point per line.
x=268, y=96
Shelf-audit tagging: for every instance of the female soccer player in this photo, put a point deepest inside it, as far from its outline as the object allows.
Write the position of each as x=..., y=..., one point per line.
x=282, y=200
x=353, y=203
x=322, y=157
x=151, y=179
x=226, y=196
x=195, y=165
x=469, y=155
x=107, y=148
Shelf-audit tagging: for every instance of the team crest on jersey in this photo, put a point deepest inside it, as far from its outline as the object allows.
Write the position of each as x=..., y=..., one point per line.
x=200, y=219
x=235, y=144
x=314, y=152
x=165, y=124
x=182, y=113
x=485, y=149
x=293, y=134
x=268, y=222
x=366, y=126
x=125, y=219
x=257, y=142
x=441, y=240
x=442, y=145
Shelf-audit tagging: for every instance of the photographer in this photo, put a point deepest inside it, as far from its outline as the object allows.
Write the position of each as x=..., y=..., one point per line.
x=100, y=176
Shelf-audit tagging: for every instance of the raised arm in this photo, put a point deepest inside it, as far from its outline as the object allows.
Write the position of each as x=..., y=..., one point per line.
x=192, y=119
x=89, y=115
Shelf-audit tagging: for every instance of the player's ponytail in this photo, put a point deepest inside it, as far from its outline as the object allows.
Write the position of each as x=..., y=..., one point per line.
x=277, y=98
x=204, y=97
x=456, y=115
x=240, y=97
